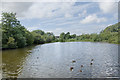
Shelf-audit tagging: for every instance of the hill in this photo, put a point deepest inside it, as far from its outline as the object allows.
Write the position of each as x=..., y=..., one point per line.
x=111, y=34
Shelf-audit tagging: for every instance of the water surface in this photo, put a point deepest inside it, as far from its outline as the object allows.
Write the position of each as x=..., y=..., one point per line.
x=54, y=60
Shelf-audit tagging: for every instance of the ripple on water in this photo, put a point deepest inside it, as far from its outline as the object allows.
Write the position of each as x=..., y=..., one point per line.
x=54, y=60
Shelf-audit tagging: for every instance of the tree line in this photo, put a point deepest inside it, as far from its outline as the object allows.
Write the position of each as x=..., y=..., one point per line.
x=14, y=35
x=109, y=34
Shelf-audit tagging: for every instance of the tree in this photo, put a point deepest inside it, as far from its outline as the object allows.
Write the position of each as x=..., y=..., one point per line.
x=11, y=43
x=73, y=36
x=39, y=32
x=21, y=40
x=14, y=32
x=62, y=37
x=29, y=37
x=38, y=39
x=67, y=35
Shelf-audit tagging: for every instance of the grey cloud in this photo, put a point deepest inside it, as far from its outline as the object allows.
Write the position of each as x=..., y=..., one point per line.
x=17, y=7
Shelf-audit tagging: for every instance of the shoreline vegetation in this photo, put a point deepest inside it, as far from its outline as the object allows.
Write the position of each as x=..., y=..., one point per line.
x=14, y=35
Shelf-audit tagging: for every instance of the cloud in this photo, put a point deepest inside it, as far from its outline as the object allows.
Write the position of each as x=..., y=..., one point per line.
x=68, y=15
x=108, y=6
x=48, y=10
x=57, y=31
x=92, y=19
x=32, y=28
x=39, y=0
x=76, y=29
x=59, y=0
x=17, y=7
x=30, y=10
x=82, y=14
x=57, y=9
x=60, y=17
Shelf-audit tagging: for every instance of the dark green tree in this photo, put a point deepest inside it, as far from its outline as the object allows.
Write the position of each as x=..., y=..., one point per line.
x=62, y=37
x=14, y=35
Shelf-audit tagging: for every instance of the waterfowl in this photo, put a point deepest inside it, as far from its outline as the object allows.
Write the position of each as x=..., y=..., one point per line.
x=91, y=63
x=73, y=61
x=81, y=65
x=71, y=68
x=92, y=59
x=80, y=70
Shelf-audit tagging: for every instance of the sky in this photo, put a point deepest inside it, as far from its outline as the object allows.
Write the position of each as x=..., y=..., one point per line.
x=75, y=17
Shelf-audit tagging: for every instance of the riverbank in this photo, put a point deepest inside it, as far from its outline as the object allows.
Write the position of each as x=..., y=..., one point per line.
x=25, y=46
x=58, y=41
x=92, y=41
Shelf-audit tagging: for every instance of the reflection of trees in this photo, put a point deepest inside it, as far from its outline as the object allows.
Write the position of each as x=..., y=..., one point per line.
x=13, y=61
x=0, y=52
x=0, y=64
x=119, y=60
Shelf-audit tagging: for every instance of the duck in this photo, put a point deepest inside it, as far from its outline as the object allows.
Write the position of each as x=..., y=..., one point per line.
x=71, y=68
x=92, y=59
x=81, y=65
x=73, y=61
x=91, y=63
x=80, y=70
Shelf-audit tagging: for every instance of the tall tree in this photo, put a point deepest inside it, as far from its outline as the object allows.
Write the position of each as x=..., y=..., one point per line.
x=13, y=33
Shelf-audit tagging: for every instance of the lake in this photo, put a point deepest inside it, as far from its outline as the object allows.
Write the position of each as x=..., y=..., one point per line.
x=55, y=60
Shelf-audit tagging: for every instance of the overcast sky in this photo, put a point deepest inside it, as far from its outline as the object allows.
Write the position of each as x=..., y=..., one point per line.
x=57, y=17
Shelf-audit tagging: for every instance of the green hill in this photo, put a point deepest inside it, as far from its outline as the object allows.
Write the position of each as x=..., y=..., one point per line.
x=110, y=34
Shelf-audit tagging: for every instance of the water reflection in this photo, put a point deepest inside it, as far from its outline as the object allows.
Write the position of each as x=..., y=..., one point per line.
x=54, y=60
x=0, y=64
x=13, y=60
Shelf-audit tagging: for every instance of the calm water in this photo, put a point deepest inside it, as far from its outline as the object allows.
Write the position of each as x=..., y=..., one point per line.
x=54, y=60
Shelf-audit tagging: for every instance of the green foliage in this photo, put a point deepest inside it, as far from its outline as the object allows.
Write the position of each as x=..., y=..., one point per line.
x=110, y=34
x=49, y=37
x=67, y=35
x=38, y=32
x=73, y=36
x=14, y=35
x=0, y=38
x=38, y=40
x=29, y=37
x=11, y=43
x=41, y=37
x=62, y=37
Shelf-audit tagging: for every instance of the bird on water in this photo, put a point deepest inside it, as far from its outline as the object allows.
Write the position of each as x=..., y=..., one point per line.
x=71, y=68
x=73, y=61
x=92, y=59
x=80, y=70
x=81, y=65
x=91, y=62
